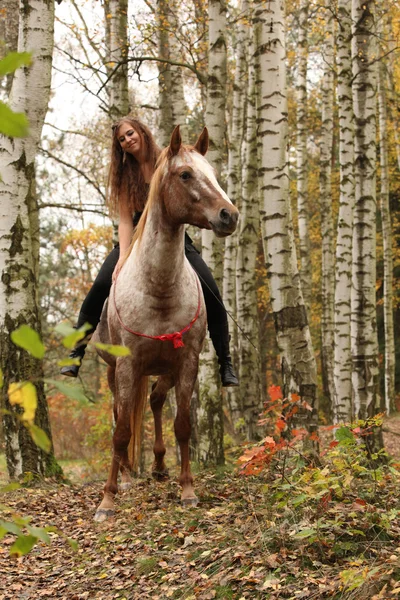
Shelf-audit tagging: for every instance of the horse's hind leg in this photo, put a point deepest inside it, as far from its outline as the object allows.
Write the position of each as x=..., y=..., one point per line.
x=158, y=395
x=184, y=389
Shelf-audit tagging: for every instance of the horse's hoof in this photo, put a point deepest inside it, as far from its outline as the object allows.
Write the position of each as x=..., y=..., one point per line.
x=102, y=514
x=190, y=501
x=160, y=475
x=126, y=485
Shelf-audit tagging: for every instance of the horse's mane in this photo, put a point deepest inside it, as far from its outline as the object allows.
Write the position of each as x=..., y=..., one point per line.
x=152, y=198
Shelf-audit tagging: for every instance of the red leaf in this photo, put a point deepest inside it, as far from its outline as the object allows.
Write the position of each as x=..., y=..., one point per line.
x=275, y=392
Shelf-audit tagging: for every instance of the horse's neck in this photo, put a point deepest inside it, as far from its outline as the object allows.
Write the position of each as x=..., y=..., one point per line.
x=160, y=255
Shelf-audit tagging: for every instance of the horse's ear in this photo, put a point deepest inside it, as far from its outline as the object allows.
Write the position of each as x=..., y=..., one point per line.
x=175, y=143
x=202, y=143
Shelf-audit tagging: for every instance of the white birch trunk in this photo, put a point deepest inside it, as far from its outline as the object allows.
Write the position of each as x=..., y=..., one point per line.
x=234, y=190
x=8, y=36
x=118, y=53
x=166, y=119
x=179, y=108
x=18, y=232
x=364, y=342
x=290, y=314
x=387, y=244
x=325, y=186
x=301, y=153
x=246, y=285
x=210, y=412
x=342, y=405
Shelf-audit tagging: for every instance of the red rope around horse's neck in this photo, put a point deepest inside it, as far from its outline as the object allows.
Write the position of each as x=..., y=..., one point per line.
x=175, y=338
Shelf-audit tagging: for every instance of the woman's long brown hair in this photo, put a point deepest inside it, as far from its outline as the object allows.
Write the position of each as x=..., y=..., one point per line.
x=125, y=178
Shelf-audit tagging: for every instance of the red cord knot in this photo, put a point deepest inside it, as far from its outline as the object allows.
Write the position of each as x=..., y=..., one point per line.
x=175, y=338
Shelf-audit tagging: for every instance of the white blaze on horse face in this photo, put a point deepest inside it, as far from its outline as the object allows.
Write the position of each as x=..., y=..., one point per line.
x=204, y=166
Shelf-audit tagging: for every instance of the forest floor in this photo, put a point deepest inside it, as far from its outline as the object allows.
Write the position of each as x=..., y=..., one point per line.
x=234, y=545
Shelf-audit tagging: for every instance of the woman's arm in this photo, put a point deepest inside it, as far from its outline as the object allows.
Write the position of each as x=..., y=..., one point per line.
x=125, y=232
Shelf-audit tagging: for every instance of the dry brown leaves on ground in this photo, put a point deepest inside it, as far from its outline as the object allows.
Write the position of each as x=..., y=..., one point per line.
x=229, y=547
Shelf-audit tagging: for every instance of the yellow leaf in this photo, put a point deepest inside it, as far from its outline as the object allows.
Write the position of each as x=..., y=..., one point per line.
x=24, y=394
x=109, y=16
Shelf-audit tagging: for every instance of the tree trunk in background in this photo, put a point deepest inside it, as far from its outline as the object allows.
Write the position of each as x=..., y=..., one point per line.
x=166, y=118
x=18, y=249
x=290, y=314
x=387, y=244
x=116, y=22
x=234, y=190
x=394, y=97
x=179, y=108
x=363, y=301
x=246, y=284
x=8, y=36
x=325, y=186
x=301, y=152
x=342, y=402
x=210, y=416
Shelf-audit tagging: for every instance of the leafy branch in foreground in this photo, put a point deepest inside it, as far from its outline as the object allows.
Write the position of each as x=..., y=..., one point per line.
x=23, y=395
x=13, y=124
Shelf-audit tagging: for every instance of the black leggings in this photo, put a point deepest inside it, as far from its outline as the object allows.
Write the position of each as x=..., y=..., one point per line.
x=100, y=290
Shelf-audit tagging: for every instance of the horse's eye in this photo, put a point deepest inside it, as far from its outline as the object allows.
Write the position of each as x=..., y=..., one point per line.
x=185, y=175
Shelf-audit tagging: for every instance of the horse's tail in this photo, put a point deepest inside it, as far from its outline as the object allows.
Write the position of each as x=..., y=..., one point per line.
x=137, y=413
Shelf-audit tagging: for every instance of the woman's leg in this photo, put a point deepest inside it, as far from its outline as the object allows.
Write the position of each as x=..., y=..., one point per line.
x=216, y=315
x=92, y=307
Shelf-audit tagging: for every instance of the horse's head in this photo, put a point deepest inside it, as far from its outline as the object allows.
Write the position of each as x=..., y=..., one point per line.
x=191, y=191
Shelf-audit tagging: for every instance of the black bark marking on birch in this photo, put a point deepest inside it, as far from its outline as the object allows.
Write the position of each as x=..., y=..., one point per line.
x=17, y=235
x=291, y=317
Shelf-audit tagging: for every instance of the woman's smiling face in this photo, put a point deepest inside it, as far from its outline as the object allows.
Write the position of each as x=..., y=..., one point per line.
x=129, y=139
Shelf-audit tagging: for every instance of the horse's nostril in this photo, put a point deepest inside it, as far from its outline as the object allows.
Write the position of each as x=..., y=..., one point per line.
x=225, y=215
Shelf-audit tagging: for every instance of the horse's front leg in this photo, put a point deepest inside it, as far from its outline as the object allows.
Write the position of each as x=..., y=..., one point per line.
x=157, y=398
x=124, y=467
x=125, y=382
x=184, y=389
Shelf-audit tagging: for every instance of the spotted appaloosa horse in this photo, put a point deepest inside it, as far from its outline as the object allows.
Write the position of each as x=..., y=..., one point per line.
x=157, y=292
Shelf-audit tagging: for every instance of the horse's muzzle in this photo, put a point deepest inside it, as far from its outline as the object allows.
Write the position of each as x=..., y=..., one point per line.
x=226, y=222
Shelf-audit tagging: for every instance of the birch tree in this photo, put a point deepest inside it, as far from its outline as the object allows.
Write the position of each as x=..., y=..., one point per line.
x=290, y=314
x=364, y=343
x=210, y=415
x=246, y=285
x=19, y=236
x=301, y=153
x=116, y=22
x=166, y=117
x=342, y=402
x=234, y=190
x=325, y=186
x=387, y=243
x=8, y=35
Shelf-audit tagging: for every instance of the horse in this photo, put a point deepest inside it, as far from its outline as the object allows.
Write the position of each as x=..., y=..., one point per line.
x=157, y=291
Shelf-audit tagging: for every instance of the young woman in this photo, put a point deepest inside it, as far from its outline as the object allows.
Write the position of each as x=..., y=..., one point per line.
x=133, y=158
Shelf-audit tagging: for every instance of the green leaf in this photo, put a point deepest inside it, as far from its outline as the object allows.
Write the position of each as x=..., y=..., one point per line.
x=72, y=336
x=23, y=545
x=13, y=61
x=10, y=527
x=40, y=533
x=114, y=350
x=72, y=391
x=300, y=499
x=343, y=434
x=305, y=533
x=67, y=362
x=40, y=437
x=73, y=544
x=12, y=124
x=28, y=339
x=10, y=487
